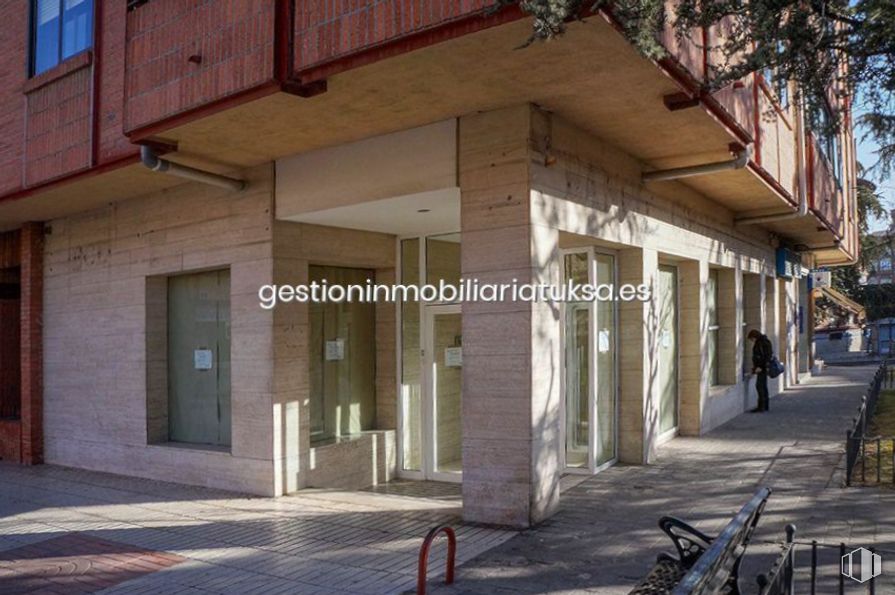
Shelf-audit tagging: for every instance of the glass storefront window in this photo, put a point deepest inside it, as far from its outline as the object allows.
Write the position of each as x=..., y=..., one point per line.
x=343, y=360
x=714, y=327
x=411, y=380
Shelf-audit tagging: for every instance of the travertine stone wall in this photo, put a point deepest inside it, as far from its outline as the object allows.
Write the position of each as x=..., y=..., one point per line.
x=102, y=270
x=638, y=359
x=511, y=356
x=694, y=382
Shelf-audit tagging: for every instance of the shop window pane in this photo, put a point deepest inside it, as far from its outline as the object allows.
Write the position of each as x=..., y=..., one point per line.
x=411, y=396
x=577, y=384
x=448, y=378
x=577, y=374
x=342, y=360
x=199, y=358
x=713, y=328
x=443, y=259
x=606, y=390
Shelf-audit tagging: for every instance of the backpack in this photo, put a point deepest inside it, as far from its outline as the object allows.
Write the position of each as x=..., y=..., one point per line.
x=775, y=368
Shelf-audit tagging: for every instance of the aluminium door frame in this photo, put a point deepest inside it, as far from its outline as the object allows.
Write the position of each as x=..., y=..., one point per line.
x=399, y=347
x=429, y=396
x=593, y=410
x=675, y=430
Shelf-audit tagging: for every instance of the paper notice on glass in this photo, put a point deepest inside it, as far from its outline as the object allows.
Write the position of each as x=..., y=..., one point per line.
x=335, y=350
x=453, y=357
x=202, y=359
x=603, y=341
x=666, y=338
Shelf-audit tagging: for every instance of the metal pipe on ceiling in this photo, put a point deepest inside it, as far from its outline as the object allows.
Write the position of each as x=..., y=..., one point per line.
x=151, y=160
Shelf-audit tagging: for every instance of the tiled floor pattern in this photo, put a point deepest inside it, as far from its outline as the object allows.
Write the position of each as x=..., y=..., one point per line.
x=74, y=563
x=317, y=541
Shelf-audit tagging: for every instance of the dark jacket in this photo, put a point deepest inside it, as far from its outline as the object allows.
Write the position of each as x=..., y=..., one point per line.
x=762, y=352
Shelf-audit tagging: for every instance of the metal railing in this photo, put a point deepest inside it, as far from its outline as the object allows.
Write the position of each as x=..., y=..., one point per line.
x=781, y=579
x=856, y=438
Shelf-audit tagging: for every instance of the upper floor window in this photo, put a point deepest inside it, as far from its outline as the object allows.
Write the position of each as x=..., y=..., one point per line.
x=822, y=123
x=60, y=29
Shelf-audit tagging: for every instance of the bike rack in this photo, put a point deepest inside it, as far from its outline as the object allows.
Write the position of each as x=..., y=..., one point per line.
x=424, y=557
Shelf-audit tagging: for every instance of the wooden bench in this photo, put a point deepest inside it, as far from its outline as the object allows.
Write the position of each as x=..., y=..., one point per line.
x=704, y=564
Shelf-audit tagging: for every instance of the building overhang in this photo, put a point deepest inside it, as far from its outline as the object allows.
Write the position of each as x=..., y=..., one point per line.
x=591, y=76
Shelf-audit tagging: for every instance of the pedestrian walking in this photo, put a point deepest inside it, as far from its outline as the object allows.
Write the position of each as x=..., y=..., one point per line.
x=762, y=353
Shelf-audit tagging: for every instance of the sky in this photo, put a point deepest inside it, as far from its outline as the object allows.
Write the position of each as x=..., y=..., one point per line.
x=886, y=188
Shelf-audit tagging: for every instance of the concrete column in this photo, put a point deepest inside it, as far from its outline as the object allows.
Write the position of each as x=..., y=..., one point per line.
x=511, y=353
x=730, y=321
x=31, y=345
x=694, y=380
x=291, y=418
x=638, y=365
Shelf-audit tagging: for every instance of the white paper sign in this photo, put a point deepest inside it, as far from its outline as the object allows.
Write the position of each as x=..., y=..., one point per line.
x=203, y=359
x=335, y=350
x=453, y=357
x=603, y=341
x=666, y=338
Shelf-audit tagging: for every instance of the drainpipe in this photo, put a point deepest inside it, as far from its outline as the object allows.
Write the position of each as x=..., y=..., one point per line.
x=739, y=162
x=802, y=210
x=151, y=160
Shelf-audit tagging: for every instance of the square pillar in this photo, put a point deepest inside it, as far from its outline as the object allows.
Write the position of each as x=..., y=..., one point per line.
x=773, y=326
x=512, y=359
x=694, y=380
x=291, y=419
x=31, y=324
x=638, y=364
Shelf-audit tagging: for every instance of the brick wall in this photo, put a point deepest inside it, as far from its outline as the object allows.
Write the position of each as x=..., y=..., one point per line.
x=233, y=40
x=32, y=343
x=12, y=103
x=58, y=135
x=68, y=118
x=325, y=31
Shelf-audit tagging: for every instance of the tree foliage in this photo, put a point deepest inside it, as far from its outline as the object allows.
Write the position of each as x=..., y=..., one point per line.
x=847, y=279
x=805, y=41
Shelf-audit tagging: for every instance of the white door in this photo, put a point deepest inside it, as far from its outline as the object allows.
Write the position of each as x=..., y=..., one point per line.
x=443, y=378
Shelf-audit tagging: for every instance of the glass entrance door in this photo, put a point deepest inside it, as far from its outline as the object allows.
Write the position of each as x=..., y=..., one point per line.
x=667, y=349
x=590, y=361
x=443, y=364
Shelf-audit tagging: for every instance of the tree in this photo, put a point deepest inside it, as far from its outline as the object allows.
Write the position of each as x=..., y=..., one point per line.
x=847, y=279
x=805, y=41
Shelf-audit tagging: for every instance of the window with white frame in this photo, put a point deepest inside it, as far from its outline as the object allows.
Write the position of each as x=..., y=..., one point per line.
x=713, y=327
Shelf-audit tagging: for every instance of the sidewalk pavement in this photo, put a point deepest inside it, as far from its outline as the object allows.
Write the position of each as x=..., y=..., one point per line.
x=70, y=531
x=67, y=531
x=605, y=538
